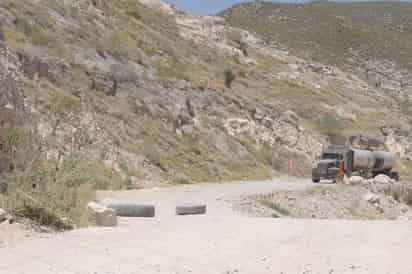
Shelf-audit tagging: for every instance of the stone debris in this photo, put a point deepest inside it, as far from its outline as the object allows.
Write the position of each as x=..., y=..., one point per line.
x=4, y=216
x=356, y=180
x=372, y=198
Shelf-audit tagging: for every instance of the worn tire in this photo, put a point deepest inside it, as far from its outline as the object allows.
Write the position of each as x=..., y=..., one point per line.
x=133, y=210
x=191, y=209
x=316, y=180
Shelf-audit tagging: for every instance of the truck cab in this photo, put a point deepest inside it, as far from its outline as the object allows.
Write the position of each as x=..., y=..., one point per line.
x=327, y=167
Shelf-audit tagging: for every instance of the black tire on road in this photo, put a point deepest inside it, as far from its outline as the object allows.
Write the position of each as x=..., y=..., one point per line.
x=191, y=209
x=133, y=210
x=316, y=180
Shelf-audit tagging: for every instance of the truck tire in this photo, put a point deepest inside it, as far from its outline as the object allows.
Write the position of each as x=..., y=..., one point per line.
x=316, y=180
x=191, y=209
x=395, y=176
x=133, y=210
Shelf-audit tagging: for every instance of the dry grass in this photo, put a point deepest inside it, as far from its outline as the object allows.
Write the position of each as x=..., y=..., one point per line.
x=49, y=192
x=327, y=32
x=401, y=192
x=277, y=207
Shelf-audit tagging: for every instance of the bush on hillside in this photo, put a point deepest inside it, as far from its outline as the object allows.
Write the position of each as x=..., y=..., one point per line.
x=332, y=127
x=230, y=76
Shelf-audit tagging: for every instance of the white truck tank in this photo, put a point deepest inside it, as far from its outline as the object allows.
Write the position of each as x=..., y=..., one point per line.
x=384, y=160
x=363, y=159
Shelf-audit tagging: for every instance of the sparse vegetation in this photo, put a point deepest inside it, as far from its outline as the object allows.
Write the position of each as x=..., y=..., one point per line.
x=49, y=192
x=332, y=127
x=278, y=208
x=402, y=193
x=34, y=31
x=230, y=76
x=336, y=29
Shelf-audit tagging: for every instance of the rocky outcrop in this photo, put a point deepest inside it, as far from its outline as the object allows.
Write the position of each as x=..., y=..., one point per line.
x=398, y=141
x=362, y=141
x=12, y=108
x=276, y=130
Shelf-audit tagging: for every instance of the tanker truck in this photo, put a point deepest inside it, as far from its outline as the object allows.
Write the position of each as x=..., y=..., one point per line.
x=336, y=161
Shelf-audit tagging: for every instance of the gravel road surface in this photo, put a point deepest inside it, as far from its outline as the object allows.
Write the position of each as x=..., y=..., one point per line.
x=219, y=242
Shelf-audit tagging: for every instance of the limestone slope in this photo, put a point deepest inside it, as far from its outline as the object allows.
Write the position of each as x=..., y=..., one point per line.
x=134, y=93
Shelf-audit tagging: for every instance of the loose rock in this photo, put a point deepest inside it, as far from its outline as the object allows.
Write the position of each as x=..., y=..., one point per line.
x=4, y=216
x=372, y=198
x=382, y=179
x=356, y=180
x=100, y=215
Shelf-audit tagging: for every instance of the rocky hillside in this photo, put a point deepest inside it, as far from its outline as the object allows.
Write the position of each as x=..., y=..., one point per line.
x=370, y=41
x=136, y=93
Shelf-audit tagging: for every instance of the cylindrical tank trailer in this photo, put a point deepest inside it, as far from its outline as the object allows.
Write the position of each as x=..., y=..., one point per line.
x=365, y=163
x=373, y=160
x=363, y=159
x=384, y=160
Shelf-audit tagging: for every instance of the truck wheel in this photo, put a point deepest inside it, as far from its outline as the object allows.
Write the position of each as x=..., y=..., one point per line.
x=395, y=176
x=316, y=180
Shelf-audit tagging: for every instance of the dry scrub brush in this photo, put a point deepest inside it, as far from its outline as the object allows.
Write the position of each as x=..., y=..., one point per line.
x=51, y=192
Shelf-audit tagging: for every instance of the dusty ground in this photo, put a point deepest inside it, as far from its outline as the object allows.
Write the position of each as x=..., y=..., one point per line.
x=12, y=233
x=220, y=242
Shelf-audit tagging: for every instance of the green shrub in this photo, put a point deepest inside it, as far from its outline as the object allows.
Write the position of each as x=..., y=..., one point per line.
x=230, y=76
x=332, y=127
x=33, y=31
x=243, y=48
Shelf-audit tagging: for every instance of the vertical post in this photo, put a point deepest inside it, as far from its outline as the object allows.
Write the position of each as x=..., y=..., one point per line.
x=290, y=167
x=341, y=171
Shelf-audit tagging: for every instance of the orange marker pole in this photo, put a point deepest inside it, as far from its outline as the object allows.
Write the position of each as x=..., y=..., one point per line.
x=290, y=167
x=341, y=171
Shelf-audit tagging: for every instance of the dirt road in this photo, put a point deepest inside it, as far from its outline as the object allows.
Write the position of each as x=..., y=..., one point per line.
x=220, y=198
x=220, y=242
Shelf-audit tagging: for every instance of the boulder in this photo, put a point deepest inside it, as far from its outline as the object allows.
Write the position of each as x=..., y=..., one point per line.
x=4, y=216
x=372, y=198
x=100, y=215
x=382, y=179
x=356, y=180
x=187, y=130
x=404, y=209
